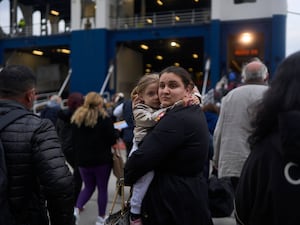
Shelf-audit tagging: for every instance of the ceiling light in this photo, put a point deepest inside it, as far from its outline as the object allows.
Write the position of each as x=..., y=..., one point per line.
x=37, y=52
x=196, y=0
x=159, y=2
x=159, y=57
x=177, y=18
x=145, y=47
x=246, y=38
x=63, y=50
x=176, y=64
x=148, y=65
x=195, y=56
x=54, y=12
x=190, y=69
x=147, y=70
x=149, y=20
x=174, y=44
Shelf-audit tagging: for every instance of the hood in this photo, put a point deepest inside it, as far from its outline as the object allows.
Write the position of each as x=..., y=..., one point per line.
x=289, y=131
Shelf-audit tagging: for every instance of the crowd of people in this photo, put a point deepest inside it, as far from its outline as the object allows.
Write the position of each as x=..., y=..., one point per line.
x=54, y=162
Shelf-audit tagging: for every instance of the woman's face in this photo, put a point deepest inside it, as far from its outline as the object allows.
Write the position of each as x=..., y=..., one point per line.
x=171, y=89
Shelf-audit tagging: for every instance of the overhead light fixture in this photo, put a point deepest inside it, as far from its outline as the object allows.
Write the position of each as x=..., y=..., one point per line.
x=190, y=69
x=176, y=64
x=195, y=56
x=196, y=0
x=177, y=18
x=174, y=44
x=63, y=50
x=159, y=2
x=159, y=57
x=147, y=70
x=149, y=20
x=145, y=47
x=37, y=52
x=246, y=38
x=148, y=65
x=54, y=13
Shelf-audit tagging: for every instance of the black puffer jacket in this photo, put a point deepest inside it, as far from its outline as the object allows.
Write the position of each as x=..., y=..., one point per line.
x=36, y=171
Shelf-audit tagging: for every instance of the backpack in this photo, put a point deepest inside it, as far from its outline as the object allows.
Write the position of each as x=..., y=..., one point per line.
x=5, y=120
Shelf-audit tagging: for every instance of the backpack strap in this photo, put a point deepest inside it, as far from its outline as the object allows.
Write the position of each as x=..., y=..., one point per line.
x=5, y=120
x=8, y=118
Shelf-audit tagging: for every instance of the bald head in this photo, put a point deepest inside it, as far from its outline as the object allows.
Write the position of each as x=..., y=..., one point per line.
x=255, y=72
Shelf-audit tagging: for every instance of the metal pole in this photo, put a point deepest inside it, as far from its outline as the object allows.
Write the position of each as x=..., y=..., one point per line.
x=110, y=71
x=207, y=67
x=65, y=83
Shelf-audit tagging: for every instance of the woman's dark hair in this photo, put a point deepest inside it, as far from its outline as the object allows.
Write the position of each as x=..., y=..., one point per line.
x=182, y=73
x=283, y=95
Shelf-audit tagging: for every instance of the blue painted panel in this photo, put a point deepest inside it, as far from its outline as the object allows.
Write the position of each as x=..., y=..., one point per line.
x=89, y=60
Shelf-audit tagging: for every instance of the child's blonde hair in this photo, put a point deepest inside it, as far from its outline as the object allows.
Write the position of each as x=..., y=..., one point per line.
x=143, y=84
x=89, y=112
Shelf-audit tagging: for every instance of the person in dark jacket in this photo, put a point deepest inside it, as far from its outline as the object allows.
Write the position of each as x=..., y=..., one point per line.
x=124, y=111
x=52, y=108
x=269, y=189
x=93, y=136
x=37, y=172
x=176, y=149
x=64, y=131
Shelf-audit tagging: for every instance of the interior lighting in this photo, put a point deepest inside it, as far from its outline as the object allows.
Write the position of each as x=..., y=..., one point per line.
x=63, y=50
x=148, y=65
x=246, y=38
x=145, y=47
x=159, y=57
x=37, y=52
x=174, y=44
x=190, y=69
x=159, y=2
x=54, y=13
x=196, y=0
x=177, y=18
x=195, y=56
x=149, y=21
x=147, y=70
x=176, y=64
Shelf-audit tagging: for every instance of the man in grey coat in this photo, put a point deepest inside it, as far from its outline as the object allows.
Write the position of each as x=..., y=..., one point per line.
x=233, y=128
x=40, y=188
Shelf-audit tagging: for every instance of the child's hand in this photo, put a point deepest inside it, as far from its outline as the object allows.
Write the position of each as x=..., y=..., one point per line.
x=135, y=100
x=191, y=100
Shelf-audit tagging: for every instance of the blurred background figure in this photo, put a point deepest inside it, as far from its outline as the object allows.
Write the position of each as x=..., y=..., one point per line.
x=93, y=136
x=123, y=111
x=64, y=131
x=52, y=108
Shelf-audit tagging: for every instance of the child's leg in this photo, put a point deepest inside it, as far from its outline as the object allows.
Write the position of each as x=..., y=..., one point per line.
x=138, y=192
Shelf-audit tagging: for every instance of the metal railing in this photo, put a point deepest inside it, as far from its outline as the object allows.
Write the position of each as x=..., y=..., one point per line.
x=163, y=19
x=158, y=19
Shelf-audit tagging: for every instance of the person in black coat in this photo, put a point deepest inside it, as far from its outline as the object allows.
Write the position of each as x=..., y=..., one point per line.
x=93, y=136
x=268, y=191
x=37, y=172
x=64, y=131
x=176, y=149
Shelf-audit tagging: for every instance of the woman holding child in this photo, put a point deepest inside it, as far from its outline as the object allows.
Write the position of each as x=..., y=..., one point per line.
x=176, y=150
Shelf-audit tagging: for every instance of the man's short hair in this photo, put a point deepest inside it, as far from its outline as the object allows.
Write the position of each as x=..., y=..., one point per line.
x=16, y=80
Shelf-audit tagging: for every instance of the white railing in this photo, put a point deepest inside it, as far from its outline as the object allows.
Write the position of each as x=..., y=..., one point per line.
x=163, y=19
x=159, y=19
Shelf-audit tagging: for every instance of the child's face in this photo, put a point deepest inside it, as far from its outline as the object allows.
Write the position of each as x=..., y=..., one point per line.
x=150, y=96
